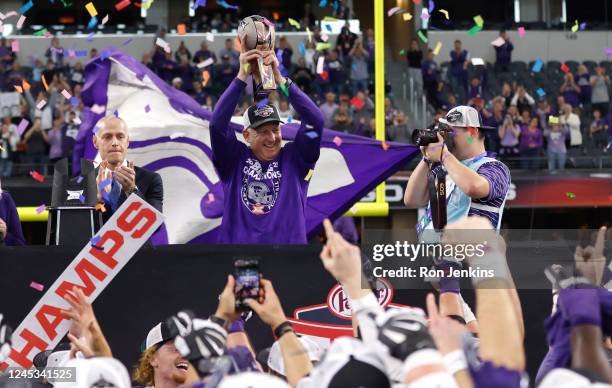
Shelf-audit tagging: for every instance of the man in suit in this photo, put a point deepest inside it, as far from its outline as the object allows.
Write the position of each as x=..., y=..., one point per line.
x=112, y=140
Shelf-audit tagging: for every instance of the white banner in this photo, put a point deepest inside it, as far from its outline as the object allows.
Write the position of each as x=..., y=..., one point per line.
x=92, y=270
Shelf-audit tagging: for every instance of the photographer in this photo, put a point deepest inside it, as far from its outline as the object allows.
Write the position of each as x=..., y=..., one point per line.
x=475, y=185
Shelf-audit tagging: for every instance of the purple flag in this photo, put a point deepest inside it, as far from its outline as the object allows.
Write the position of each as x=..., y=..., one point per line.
x=172, y=139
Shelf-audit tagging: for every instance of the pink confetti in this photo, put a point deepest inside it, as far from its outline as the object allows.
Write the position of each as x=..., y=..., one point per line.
x=337, y=141
x=66, y=94
x=23, y=124
x=2, y=16
x=521, y=31
x=41, y=104
x=71, y=53
x=12, y=13
x=206, y=63
x=41, y=209
x=37, y=286
x=211, y=198
x=20, y=22
x=15, y=46
x=105, y=20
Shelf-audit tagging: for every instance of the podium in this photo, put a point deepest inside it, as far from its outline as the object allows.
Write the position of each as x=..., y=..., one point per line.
x=73, y=219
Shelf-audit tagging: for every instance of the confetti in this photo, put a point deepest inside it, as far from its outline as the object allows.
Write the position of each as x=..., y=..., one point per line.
x=181, y=29
x=320, y=64
x=176, y=135
x=575, y=27
x=74, y=101
x=26, y=7
x=289, y=119
x=41, y=209
x=324, y=37
x=431, y=6
x=105, y=20
x=199, y=3
x=82, y=198
x=79, y=179
x=402, y=52
x=329, y=19
x=210, y=37
x=328, y=27
x=11, y=13
x=37, y=176
x=521, y=31
x=323, y=46
x=100, y=207
x=324, y=75
x=357, y=103
x=94, y=243
x=20, y=22
x=422, y=36
x=322, y=3
x=246, y=67
x=564, y=68
x=479, y=21
x=477, y=61
x=337, y=141
x=498, y=42
x=41, y=32
x=294, y=23
x=262, y=103
x=224, y=4
x=437, y=49
x=582, y=26
x=122, y=4
x=92, y=23
x=18, y=88
x=66, y=94
x=474, y=30
x=285, y=89
x=205, y=77
x=444, y=12
x=41, y=104
x=309, y=175
x=407, y=16
x=104, y=183
x=163, y=44
x=210, y=198
x=424, y=14
x=91, y=9
x=147, y=4
x=23, y=124
x=15, y=46
x=311, y=134
x=553, y=119
x=105, y=196
x=537, y=66
x=98, y=109
x=541, y=92
x=393, y=11
x=37, y=286
x=385, y=145
x=302, y=49
x=127, y=42
x=608, y=51
x=570, y=195
x=147, y=108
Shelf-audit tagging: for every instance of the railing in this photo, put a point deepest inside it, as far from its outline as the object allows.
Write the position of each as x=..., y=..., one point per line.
x=417, y=102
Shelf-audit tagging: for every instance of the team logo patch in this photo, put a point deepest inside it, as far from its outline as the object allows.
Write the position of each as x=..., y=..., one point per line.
x=264, y=111
x=73, y=194
x=453, y=117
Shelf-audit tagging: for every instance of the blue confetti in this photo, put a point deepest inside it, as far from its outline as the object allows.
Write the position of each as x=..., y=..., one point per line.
x=104, y=54
x=199, y=3
x=26, y=7
x=328, y=27
x=74, y=101
x=431, y=6
x=262, y=103
x=90, y=36
x=81, y=53
x=79, y=179
x=311, y=134
x=302, y=49
x=94, y=242
x=323, y=3
x=541, y=92
x=105, y=183
x=289, y=119
x=82, y=198
x=582, y=26
x=537, y=66
x=93, y=22
x=224, y=4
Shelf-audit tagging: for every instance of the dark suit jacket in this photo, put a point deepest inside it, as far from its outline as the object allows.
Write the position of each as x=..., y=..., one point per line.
x=150, y=188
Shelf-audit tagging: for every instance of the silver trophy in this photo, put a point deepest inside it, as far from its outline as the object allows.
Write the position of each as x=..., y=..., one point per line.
x=256, y=32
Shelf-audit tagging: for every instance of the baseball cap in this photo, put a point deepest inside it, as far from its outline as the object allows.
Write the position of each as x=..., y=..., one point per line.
x=97, y=372
x=252, y=380
x=275, y=357
x=463, y=116
x=159, y=334
x=348, y=363
x=256, y=116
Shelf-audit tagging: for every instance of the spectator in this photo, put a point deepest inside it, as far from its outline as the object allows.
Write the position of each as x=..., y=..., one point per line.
x=544, y=110
x=308, y=18
x=556, y=151
x=168, y=68
x=560, y=104
x=310, y=54
x=598, y=131
x=329, y=109
x=343, y=10
x=55, y=141
x=342, y=120
x=494, y=119
x=285, y=111
x=286, y=53
x=475, y=89
x=583, y=80
x=93, y=53
x=346, y=40
x=368, y=45
x=185, y=72
x=10, y=227
x=198, y=92
x=36, y=140
x=359, y=68
x=522, y=100
x=55, y=53
x=431, y=82
x=362, y=112
x=203, y=54
x=303, y=76
x=572, y=120
x=570, y=90
x=37, y=71
x=230, y=52
x=182, y=53
x=70, y=131
x=370, y=130
x=458, y=70
x=415, y=59
x=398, y=130
x=513, y=113
x=389, y=111
x=226, y=71
x=506, y=94
x=8, y=145
x=509, y=133
x=450, y=103
x=177, y=83
x=77, y=75
x=531, y=144
x=7, y=56
x=503, y=54
x=599, y=96
x=336, y=72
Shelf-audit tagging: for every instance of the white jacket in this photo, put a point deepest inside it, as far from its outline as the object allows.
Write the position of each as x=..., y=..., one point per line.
x=573, y=121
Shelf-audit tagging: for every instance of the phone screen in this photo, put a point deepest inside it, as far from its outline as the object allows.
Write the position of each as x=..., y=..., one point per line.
x=246, y=274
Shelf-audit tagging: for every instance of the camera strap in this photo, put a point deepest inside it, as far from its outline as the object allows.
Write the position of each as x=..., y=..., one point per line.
x=437, y=196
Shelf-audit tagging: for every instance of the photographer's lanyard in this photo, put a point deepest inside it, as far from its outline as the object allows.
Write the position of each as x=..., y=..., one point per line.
x=437, y=197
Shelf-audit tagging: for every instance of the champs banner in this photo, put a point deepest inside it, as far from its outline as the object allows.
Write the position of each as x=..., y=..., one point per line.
x=169, y=134
x=91, y=270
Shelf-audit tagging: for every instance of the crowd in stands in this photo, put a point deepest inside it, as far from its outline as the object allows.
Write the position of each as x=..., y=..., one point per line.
x=563, y=115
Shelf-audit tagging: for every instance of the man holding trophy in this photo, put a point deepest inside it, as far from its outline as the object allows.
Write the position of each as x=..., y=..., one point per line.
x=265, y=182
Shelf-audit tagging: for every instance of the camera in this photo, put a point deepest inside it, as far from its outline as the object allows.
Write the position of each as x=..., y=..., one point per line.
x=423, y=137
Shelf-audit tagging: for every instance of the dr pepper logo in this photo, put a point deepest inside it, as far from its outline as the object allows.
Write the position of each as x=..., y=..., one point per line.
x=339, y=305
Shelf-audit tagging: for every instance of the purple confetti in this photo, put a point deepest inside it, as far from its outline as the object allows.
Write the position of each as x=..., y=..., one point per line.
x=582, y=26
x=105, y=196
x=127, y=42
x=82, y=53
x=82, y=198
x=90, y=36
x=23, y=124
x=105, y=183
x=608, y=51
x=74, y=101
x=116, y=113
x=431, y=6
x=262, y=103
x=199, y=3
x=311, y=134
x=147, y=108
x=94, y=242
x=79, y=179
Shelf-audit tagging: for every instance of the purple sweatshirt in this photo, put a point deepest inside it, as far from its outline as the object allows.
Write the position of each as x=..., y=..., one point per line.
x=528, y=137
x=8, y=214
x=265, y=201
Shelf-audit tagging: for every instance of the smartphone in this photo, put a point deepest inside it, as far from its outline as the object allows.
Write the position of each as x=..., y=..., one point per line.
x=247, y=275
